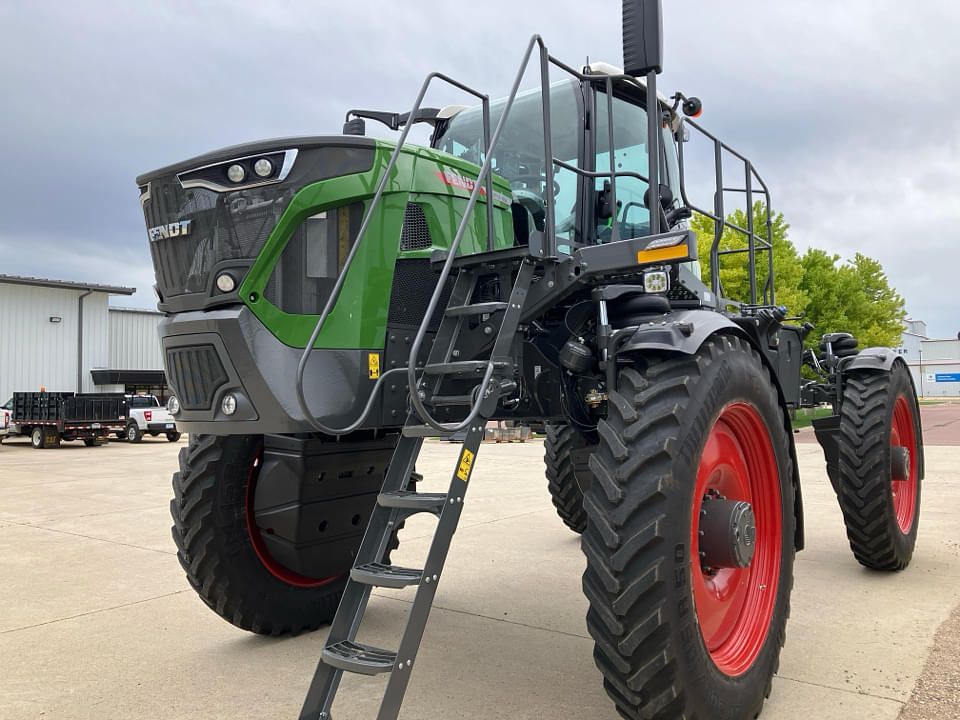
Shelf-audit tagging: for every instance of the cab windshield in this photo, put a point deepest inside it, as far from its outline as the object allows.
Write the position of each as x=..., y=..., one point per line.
x=519, y=155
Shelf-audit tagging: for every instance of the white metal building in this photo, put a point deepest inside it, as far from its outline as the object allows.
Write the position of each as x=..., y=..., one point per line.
x=64, y=336
x=934, y=364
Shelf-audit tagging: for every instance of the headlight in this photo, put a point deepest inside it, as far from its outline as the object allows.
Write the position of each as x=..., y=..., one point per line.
x=229, y=405
x=236, y=173
x=173, y=405
x=226, y=283
x=263, y=167
x=655, y=282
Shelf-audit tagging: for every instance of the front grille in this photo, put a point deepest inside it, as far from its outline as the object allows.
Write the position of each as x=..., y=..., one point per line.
x=195, y=373
x=223, y=226
x=415, y=234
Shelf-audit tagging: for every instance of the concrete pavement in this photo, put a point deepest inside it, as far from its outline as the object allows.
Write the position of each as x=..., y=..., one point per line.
x=97, y=620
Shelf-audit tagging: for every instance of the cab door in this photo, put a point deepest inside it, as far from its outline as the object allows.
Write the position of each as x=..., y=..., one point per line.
x=631, y=217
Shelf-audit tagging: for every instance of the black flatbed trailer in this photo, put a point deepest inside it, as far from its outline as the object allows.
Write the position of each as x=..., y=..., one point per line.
x=49, y=417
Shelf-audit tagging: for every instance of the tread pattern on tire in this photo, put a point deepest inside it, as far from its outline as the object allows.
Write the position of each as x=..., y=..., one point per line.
x=629, y=554
x=215, y=551
x=863, y=483
x=565, y=491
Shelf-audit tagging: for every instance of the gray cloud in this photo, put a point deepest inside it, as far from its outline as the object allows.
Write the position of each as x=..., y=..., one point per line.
x=848, y=109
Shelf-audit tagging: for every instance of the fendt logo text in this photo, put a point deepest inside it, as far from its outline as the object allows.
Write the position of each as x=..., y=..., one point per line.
x=172, y=230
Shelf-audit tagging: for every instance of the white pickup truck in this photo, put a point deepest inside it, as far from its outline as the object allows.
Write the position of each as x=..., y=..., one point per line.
x=147, y=415
x=6, y=419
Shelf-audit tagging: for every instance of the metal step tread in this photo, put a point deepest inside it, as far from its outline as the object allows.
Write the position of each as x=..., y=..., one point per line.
x=447, y=400
x=462, y=366
x=428, y=431
x=359, y=658
x=476, y=309
x=381, y=575
x=415, y=501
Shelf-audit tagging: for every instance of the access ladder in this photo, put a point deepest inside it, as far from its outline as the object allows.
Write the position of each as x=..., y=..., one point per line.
x=396, y=502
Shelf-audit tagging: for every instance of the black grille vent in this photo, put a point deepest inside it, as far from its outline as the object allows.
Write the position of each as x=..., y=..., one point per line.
x=415, y=234
x=195, y=373
x=413, y=284
x=679, y=292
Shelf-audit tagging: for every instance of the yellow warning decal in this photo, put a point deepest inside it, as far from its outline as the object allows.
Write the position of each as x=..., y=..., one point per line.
x=466, y=463
x=374, y=361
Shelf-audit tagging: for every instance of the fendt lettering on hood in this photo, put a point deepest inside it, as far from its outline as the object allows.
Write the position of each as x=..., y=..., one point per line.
x=171, y=230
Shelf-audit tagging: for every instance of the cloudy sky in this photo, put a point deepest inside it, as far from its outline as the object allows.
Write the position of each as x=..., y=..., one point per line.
x=847, y=108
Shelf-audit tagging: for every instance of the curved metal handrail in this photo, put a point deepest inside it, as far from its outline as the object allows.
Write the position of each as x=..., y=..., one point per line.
x=485, y=170
x=338, y=286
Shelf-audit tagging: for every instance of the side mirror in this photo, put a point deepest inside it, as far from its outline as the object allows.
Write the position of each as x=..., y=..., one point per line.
x=666, y=197
x=642, y=37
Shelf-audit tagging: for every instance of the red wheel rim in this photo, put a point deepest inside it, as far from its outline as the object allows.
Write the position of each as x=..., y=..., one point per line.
x=276, y=569
x=904, y=492
x=734, y=605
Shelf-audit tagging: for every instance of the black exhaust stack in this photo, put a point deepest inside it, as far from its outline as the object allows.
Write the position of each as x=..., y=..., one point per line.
x=643, y=56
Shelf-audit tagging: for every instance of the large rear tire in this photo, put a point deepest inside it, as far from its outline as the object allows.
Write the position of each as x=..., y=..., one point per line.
x=880, y=450
x=678, y=633
x=221, y=550
x=568, y=473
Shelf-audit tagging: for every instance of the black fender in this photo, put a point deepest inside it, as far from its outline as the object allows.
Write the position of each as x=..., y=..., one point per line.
x=879, y=359
x=685, y=331
x=682, y=331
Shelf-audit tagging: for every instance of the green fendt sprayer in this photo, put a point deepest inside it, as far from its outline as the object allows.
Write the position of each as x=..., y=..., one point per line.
x=332, y=301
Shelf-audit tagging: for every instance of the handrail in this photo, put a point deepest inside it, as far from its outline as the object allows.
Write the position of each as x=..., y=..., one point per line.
x=341, y=278
x=485, y=170
x=720, y=220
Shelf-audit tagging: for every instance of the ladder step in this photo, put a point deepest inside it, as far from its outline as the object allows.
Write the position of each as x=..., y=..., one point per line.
x=462, y=366
x=389, y=576
x=448, y=400
x=476, y=309
x=359, y=658
x=427, y=431
x=413, y=501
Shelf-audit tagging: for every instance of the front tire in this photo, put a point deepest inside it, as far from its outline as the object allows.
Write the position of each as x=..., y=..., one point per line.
x=679, y=633
x=568, y=473
x=220, y=547
x=133, y=433
x=880, y=448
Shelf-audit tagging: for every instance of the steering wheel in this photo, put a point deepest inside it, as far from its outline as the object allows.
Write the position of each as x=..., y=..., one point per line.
x=537, y=178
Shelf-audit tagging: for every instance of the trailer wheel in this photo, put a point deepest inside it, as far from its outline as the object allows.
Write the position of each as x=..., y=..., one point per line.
x=133, y=433
x=38, y=437
x=689, y=543
x=219, y=546
x=173, y=436
x=568, y=474
x=880, y=467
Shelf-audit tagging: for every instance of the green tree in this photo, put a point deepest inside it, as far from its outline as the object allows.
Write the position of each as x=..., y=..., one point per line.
x=853, y=297
x=836, y=296
x=734, y=277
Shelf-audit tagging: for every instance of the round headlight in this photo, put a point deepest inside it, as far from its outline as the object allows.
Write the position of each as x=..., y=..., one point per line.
x=263, y=167
x=173, y=405
x=236, y=173
x=226, y=283
x=229, y=405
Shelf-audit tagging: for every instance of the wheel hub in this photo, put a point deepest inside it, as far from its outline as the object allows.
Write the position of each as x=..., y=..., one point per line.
x=728, y=533
x=899, y=463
